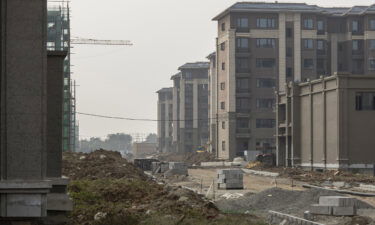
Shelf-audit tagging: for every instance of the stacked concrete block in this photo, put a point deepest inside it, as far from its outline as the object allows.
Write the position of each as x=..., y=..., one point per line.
x=230, y=179
x=159, y=167
x=178, y=168
x=336, y=206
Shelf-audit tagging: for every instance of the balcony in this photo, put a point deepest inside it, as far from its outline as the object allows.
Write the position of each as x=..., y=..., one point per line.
x=242, y=110
x=242, y=29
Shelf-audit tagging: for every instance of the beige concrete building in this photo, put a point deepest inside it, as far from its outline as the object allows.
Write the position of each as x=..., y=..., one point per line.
x=165, y=118
x=327, y=123
x=263, y=45
x=144, y=149
x=190, y=107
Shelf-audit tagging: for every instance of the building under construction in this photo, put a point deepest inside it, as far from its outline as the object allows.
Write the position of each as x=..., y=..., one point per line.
x=58, y=39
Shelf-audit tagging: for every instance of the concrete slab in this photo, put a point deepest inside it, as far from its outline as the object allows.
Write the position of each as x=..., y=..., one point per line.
x=338, y=201
x=344, y=211
x=320, y=210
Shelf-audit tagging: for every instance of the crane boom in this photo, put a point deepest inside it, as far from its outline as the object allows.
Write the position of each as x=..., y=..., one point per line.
x=87, y=41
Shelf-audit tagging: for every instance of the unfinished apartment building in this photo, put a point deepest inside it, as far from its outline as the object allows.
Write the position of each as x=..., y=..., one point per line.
x=326, y=123
x=165, y=112
x=190, y=107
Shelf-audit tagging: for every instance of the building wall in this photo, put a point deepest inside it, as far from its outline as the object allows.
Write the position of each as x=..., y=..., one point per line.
x=333, y=132
x=165, y=119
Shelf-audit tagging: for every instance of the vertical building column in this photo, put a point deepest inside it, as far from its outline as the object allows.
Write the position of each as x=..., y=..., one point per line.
x=23, y=154
x=297, y=47
x=334, y=56
x=195, y=103
x=282, y=51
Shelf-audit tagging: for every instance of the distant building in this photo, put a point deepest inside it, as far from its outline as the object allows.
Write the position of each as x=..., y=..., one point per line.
x=190, y=107
x=165, y=117
x=144, y=149
x=327, y=123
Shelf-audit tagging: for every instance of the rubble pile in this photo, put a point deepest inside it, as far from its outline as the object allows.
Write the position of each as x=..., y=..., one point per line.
x=106, y=189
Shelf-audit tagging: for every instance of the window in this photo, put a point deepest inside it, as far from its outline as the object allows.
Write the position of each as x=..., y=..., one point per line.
x=372, y=44
x=355, y=26
x=265, y=123
x=223, y=125
x=320, y=45
x=223, y=66
x=222, y=46
x=188, y=75
x=242, y=64
x=289, y=72
x=372, y=64
x=222, y=86
x=243, y=104
x=242, y=85
x=265, y=63
x=266, y=23
x=320, y=25
x=265, y=42
x=289, y=32
x=265, y=103
x=308, y=23
x=372, y=24
x=289, y=52
x=242, y=43
x=355, y=45
x=222, y=105
x=242, y=123
x=223, y=27
x=265, y=83
x=308, y=43
x=308, y=63
x=223, y=144
x=242, y=22
x=365, y=101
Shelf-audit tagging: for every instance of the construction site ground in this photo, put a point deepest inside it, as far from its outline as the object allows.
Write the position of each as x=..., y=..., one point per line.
x=260, y=194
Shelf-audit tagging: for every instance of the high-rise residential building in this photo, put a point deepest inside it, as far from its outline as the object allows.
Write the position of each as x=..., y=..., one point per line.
x=212, y=103
x=263, y=45
x=58, y=39
x=165, y=117
x=190, y=107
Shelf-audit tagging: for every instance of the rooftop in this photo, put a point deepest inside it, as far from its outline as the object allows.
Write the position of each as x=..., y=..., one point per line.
x=195, y=65
x=295, y=7
x=169, y=89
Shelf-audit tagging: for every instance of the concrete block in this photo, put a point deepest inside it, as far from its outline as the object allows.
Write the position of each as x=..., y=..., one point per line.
x=344, y=211
x=25, y=205
x=320, y=210
x=339, y=201
x=230, y=186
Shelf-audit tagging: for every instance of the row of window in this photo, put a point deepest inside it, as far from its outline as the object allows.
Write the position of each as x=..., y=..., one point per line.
x=244, y=123
x=244, y=83
x=365, y=101
x=308, y=23
x=244, y=103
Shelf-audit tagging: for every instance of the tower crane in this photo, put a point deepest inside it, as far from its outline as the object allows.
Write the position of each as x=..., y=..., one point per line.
x=89, y=41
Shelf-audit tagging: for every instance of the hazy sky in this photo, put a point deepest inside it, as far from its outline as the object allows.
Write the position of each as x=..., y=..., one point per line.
x=122, y=81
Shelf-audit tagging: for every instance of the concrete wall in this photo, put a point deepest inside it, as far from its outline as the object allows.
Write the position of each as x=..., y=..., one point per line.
x=333, y=134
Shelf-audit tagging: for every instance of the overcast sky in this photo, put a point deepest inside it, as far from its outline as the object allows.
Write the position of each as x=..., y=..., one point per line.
x=122, y=81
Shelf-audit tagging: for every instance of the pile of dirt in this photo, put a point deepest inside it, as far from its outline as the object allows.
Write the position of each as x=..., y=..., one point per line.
x=98, y=165
x=106, y=189
x=319, y=177
x=192, y=158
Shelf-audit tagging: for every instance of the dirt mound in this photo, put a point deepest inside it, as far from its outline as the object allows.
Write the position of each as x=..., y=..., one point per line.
x=98, y=165
x=190, y=158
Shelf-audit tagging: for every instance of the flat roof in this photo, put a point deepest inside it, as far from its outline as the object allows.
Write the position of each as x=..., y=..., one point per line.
x=168, y=89
x=295, y=7
x=195, y=65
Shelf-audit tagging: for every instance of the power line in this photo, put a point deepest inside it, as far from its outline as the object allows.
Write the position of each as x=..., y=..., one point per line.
x=144, y=120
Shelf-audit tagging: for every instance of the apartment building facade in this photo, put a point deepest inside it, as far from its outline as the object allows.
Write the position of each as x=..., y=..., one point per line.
x=165, y=118
x=190, y=107
x=327, y=123
x=265, y=45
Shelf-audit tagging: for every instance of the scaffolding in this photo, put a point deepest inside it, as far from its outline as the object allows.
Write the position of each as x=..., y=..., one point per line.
x=58, y=39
